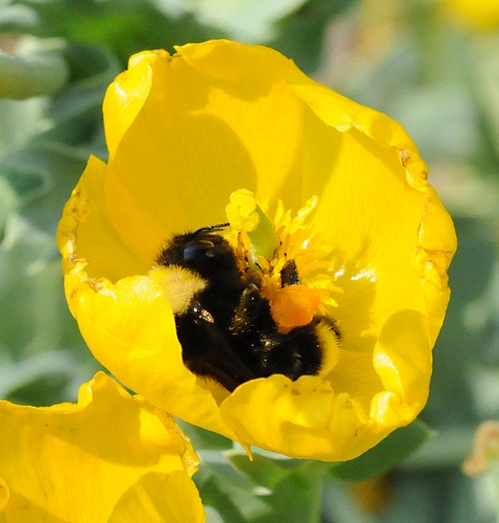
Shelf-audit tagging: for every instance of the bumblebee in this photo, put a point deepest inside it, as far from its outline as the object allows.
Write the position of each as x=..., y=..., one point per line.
x=224, y=323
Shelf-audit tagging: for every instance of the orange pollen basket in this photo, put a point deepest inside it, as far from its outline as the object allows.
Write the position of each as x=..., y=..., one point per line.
x=293, y=306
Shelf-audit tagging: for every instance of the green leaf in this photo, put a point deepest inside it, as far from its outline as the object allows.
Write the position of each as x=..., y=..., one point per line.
x=124, y=27
x=265, y=490
x=470, y=329
x=293, y=487
x=8, y=202
x=204, y=439
x=394, y=449
x=485, y=81
x=17, y=18
x=244, y=20
x=300, y=36
x=76, y=111
x=33, y=312
x=43, y=176
x=448, y=448
x=20, y=120
x=448, y=110
x=46, y=378
x=262, y=470
x=232, y=495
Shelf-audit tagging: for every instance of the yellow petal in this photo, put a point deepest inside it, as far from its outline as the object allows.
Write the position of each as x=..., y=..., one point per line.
x=76, y=462
x=86, y=212
x=405, y=372
x=302, y=419
x=4, y=494
x=162, y=498
x=126, y=95
x=253, y=116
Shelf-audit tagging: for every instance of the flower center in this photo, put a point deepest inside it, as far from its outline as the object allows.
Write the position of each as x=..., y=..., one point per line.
x=286, y=255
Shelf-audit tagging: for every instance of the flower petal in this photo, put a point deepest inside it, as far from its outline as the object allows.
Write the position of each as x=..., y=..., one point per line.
x=368, y=401
x=86, y=213
x=236, y=132
x=162, y=498
x=283, y=421
x=74, y=462
x=405, y=372
x=126, y=95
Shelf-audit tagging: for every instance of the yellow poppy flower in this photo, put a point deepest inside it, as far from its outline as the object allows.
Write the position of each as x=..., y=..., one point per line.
x=344, y=188
x=480, y=14
x=108, y=458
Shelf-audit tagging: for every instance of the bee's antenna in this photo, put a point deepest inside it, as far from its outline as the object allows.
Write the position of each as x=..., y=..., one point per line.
x=210, y=228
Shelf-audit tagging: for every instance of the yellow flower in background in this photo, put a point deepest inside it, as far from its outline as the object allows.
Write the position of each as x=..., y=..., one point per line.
x=481, y=14
x=106, y=459
x=339, y=188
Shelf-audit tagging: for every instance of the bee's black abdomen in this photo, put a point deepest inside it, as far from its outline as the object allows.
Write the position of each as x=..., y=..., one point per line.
x=295, y=354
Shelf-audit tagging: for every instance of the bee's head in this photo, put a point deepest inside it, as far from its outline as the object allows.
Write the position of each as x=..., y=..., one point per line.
x=203, y=251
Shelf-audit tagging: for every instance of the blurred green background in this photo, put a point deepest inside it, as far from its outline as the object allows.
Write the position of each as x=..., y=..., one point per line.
x=432, y=65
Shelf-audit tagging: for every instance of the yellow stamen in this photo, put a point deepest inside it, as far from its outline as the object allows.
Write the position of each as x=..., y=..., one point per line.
x=299, y=242
x=241, y=211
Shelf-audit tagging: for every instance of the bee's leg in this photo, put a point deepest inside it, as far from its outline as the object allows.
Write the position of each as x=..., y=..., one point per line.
x=252, y=315
x=254, y=332
x=289, y=274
